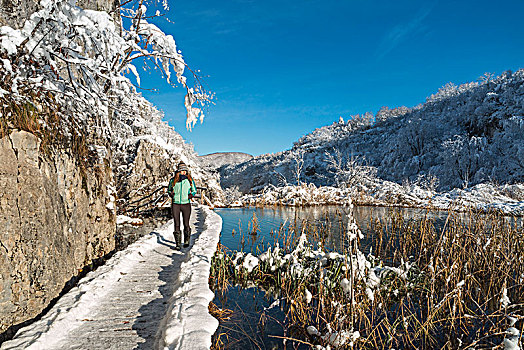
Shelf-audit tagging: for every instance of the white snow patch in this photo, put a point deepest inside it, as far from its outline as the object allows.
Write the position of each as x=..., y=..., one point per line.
x=250, y=262
x=123, y=219
x=504, y=300
x=511, y=341
x=312, y=330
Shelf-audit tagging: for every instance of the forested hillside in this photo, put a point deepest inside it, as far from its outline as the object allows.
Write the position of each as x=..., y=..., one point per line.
x=461, y=136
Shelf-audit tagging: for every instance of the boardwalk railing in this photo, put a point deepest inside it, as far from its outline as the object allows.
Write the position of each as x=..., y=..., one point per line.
x=158, y=199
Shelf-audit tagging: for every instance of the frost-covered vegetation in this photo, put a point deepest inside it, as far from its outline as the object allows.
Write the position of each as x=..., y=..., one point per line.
x=64, y=76
x=80, y=57
x=460, y=137
x=423, y=284
x=508, y=199
x=302, y=195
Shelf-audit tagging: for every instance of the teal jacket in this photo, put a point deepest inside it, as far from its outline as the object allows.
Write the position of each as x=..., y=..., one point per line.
x=179, y=192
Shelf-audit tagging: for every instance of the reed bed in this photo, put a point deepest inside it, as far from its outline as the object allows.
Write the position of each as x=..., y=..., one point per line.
x=424, y=284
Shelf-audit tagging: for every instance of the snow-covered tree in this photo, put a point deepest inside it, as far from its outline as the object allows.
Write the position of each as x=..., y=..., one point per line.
x=79, y=59
x=298, y=164
x=463, y=135
x=348, y=170
x=385, y=113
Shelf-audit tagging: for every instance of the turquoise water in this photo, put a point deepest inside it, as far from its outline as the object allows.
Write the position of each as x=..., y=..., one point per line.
x=250, y=228
x=254, y=325
x=253, y=229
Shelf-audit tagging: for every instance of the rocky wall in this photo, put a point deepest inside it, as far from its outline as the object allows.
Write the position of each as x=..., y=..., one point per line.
x=149, y=168
x=55, y=218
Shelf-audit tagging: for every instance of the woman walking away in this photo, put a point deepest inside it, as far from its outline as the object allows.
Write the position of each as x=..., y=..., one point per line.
x=181, y=189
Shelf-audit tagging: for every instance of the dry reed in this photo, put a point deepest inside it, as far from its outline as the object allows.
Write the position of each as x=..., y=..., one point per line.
x=452, y=295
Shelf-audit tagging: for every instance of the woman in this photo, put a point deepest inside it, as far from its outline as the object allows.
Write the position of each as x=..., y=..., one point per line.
x=181, y=189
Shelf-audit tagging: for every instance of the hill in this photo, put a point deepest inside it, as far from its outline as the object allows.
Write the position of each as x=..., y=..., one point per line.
x=460, y=137
x=219, y=159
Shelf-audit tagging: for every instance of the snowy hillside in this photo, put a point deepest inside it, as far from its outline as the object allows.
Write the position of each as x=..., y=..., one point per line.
x=461, y=136
x=219, y=159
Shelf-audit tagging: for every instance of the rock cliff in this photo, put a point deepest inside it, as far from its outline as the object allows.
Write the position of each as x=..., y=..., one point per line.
x=55, y=220
x=57, y=209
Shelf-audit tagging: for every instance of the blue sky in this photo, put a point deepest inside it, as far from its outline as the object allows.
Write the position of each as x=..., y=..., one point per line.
x=280, y=69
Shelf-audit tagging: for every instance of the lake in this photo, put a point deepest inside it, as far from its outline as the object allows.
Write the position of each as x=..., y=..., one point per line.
x=255, y=321
x=330, y=221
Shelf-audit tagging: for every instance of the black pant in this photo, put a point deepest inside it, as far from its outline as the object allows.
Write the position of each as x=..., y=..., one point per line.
x=186, y=214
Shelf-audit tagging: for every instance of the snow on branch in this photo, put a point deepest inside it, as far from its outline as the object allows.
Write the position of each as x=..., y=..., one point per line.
x=81, y=57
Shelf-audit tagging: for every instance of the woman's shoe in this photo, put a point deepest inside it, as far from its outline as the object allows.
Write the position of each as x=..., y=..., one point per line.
x=178, y=239
x=187, y=236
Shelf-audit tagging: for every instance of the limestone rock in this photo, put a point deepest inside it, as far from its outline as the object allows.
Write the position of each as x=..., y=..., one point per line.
x=53, y=221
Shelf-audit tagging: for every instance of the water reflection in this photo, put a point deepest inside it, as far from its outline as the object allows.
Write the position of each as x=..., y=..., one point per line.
x=325, y=223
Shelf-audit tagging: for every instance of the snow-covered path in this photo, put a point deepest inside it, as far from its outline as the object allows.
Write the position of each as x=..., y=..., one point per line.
x=148, y=296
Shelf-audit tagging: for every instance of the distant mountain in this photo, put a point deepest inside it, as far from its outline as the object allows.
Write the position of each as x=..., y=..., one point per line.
x=219, y=159
x=461, y=136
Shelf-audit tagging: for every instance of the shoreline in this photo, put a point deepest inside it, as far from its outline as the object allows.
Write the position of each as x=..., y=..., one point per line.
x=479, y=199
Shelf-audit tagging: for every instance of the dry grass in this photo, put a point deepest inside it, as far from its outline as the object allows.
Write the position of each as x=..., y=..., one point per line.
x=451, y=297
x=464, y=267
x=39, y=114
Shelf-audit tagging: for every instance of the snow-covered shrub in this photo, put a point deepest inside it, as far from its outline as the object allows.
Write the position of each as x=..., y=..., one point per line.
x=231, y=195
x=428, y=182
x=79, y=58
x=303, y=195
x=348, y=170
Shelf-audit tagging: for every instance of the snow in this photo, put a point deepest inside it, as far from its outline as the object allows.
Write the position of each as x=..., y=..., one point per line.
x=308, y=296
x=312, y=330
x=250, y=262
x=483, y=197
x=10, y=39
x=123, y=219
x=188, y=324
x=511, y=342
x=297, y=196
x=346, y=286
x=341, y=338
x=504, y=300
x=111, y=192
x=137, y=285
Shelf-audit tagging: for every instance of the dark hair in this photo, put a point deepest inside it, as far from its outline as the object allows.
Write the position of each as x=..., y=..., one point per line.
x=177, y=177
